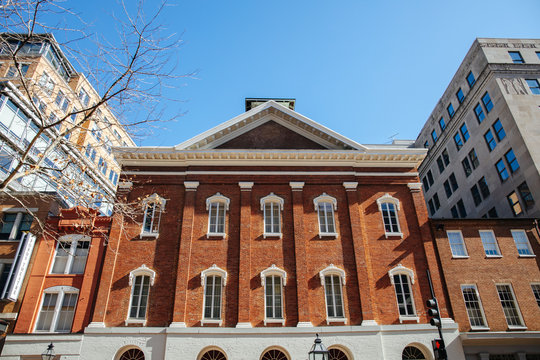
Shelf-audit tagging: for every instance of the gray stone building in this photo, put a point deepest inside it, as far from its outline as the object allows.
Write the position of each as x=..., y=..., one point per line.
x=484, y=135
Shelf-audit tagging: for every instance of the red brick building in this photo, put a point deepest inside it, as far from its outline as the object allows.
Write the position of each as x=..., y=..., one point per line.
x=257, y=234
x=492, y=274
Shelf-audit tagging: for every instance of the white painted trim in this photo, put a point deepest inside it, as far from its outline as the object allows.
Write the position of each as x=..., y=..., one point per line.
x=400, y=269
x=403, y=318
x=387, y=198
x=245, y=185
x=218, y=198
x=272, y=198
x=415, y=186
x=325, y=198
x=177, y=324
x=273, y=270
x=304, y=324
x=9, y=316
x=214, y=270
x=350, y=185
x=21, y=210
x=211, y=321
x=143, y=270
x=369, y=323
x=190, y=185
x=296, y=184
x=332, y=270
x=244, y=325
x=97, y=324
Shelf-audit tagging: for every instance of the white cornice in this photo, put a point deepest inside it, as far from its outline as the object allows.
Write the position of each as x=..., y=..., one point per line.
x=301, y=173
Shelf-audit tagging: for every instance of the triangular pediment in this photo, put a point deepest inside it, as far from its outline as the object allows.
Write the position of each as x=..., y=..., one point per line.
x=270, y=126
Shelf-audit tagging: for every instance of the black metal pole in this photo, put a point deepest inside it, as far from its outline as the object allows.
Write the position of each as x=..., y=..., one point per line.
x=438, y=310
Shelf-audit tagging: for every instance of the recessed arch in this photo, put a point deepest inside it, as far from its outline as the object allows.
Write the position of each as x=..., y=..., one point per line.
x=332, y=270
x=212, y=353
x=214, y=270
x=339, y=352
x=142, y=270
x=416, y=351
x=275, y=353
x=130, y=352
x=273, y=270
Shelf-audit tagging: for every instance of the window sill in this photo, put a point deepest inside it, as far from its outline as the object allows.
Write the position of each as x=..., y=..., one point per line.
x=479, y=328
x=135, y=321
x=328, y=235
x=149, y=235
x=403, y=318
x=493, y=256
x=514, y=327
x=460, y=256
x=527, y=256
x=272, y=235
x=274, y=321
x=387, y=234
x=216, y=235
x=336, y=320
x=211, y=321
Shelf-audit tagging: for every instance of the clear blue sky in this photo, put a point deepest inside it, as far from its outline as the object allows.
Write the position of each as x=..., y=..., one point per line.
x=366, y=69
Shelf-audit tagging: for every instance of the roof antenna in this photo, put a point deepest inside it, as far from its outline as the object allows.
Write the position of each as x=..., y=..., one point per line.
x=392, y=138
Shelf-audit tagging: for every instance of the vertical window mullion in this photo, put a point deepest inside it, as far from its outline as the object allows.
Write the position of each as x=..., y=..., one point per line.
x=57, y=308
x=71, y=255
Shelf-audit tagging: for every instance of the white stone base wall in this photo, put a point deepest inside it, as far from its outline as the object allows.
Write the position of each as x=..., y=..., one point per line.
x=358, y=342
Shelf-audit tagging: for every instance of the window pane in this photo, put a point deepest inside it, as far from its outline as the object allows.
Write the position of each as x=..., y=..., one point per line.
x=522, y=242
x=474, y=308
x=509, y=305
x=65, y=317
x=512, y=161
x=62, y=255
x=79, y=260
x=457, y=246
x=47, y=312
x=489, y=242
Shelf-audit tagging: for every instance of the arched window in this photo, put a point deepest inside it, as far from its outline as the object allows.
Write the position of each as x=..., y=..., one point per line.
x=402, y=278
x=153, y=206
x=213, y=280
x=325, y=206
x=57, y=309
x=140, y=281
x=273, y=280
x=274, y=354
x=333, y=279
x=272, y=205
x=412, y=353
x=337, y=354
x=213, y=355
x=132, y=354
x=389, y=206
x=71, y=253
x=217, y=207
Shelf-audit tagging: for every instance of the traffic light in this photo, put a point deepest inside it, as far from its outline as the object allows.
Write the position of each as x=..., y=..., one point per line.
x=439, y=349
x=433, y=311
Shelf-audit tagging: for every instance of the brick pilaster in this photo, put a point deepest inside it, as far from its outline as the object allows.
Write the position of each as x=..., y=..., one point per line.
x=244, y=273
x=300, y=255
x=184, y=257
x=366, y=282
x=429, y=246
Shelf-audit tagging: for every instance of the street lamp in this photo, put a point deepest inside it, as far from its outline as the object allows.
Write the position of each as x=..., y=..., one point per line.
x=318, y=350
x=49, y=354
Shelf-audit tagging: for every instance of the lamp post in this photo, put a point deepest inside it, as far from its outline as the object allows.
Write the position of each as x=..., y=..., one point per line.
x=49, y=354
x=318, y=350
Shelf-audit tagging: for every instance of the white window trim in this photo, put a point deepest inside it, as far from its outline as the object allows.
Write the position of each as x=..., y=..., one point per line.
x=20, y=213
x=154, y=198
x=325, y=198
x=499, y=254
x=387, y=198
x=143, y=270
x=274, y=270
x=512, y=327
x=528, y=243
x=272, y=198
x=226, y=202
x=466, y=256
x=402, y=270
x=61, y=291
x=74, y=239
x=214, y=270
x=328, y=271
x=486, y=327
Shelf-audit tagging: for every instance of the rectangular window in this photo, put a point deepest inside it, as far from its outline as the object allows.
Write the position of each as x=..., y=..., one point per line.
x=466, y=167
x=453, y=182
x=434, y=136
x=445, y=157
x=509, y=305
x=526, y=195
x=474, y=307
x=484, y=189
x=426, y=144
x=274, y=302
x=457, y=141
x=57, y=311
x=326, y=218
x=212, y=298
x=464, y=132
x=271, y=218
x=430, y=177
x=13, y=225
x=84, y=97
x=516, y=57
x=470, y=79
x=436, y=201
x=12, y=71
x=216, y=218
x=486, y=99
x=534, y=86
x=499, y=130
x=479, y=112
x=139, y=297
x=476, y=195
x=501, y=170
x=390, y=220
x=461, y=209
x=490, y=140
x=513, y=201
x=404, y=295
x=450, y=110
x=442, y=124
x=152, y=218
x=460, y=96
x=457, y=245
x=447, y=188
x=538, y=54
x=113, y=177
x=473, y=158
x=70, y=257
x=334, y=298
x=512, y=161
x=493, y=213
x=431, y=207
x=454, y=212
x=61, y=101
x=440, y=165
x=522, y=242
x=536, y=292
x=491, y=248
x=46, y=83
x=426, y=184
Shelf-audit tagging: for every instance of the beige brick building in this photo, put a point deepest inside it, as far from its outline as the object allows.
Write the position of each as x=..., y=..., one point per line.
x=483, y=135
